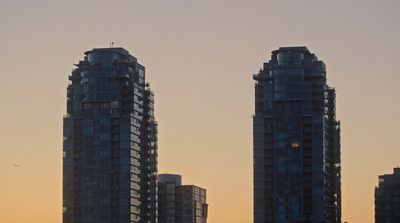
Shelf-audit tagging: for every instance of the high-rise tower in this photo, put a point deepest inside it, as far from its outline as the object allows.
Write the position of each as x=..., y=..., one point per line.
x=110, y=142
x=296, y=141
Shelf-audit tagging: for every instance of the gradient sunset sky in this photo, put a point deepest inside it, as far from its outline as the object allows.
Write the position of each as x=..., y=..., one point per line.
x=200, y=56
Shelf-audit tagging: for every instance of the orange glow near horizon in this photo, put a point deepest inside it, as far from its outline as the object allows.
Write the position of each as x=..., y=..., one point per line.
x=199, y=58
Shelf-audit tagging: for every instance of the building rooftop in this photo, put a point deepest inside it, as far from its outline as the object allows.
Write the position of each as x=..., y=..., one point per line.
x=170, y=178
x=109, y=49
x=292, y=48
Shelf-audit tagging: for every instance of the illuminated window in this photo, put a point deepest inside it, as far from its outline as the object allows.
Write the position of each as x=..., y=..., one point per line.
x=295, y=145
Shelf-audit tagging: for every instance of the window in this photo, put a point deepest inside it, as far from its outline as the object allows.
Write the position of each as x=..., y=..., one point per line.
x=141, y=73
x=88, y=129
x=295, y=145
x=280, y=144
x=104, y=137
x=280, y=95
x=104, y=121
x=104, y=58
x=290, y=57
x=114, y=104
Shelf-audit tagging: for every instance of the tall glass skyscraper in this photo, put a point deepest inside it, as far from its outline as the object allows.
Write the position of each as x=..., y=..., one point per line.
x=110, y=142
x=296, y=141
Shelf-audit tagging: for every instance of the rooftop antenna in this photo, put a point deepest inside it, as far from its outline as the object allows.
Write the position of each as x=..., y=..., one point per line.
x=112, y=45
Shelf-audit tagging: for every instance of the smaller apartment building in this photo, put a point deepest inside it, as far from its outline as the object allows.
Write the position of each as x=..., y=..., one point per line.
x=387, y=198
x=180, y=203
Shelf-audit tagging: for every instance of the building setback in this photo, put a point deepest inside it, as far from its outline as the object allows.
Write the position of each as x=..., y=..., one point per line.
x=180, y=203
x=296, y=141
x=387, y=198
x=110, y=142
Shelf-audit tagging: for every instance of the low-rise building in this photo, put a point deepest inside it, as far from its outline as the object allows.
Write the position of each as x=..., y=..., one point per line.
x=180, y=203
x=387, y=198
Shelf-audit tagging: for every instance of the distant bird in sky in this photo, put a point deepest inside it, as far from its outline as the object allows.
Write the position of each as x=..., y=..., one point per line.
x=16, y=165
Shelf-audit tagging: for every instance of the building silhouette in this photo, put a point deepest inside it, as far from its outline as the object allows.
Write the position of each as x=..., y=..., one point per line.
x=387, y=198
x=296, y=141
x=110, y=142
x=180, y=203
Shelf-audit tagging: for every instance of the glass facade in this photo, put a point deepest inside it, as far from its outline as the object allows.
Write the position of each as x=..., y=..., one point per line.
x=296, y=141
x=387, y=198
x=180, y=203
x=110, y=142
